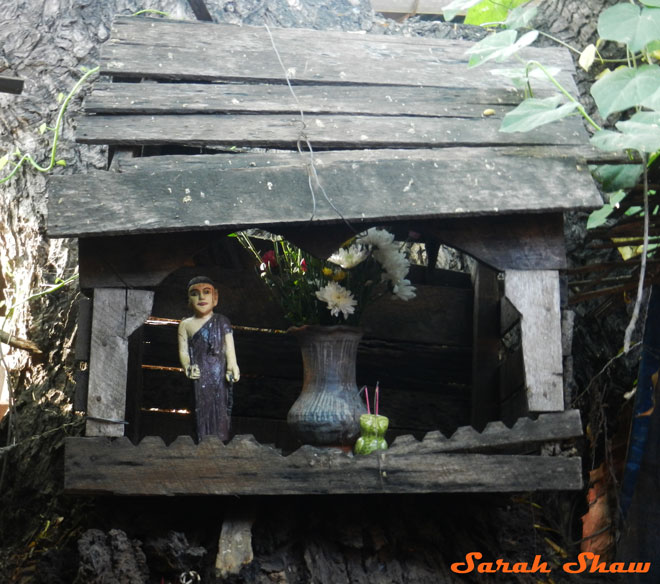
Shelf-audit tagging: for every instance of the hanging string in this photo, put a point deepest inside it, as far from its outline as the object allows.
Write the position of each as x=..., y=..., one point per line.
x=312, y=176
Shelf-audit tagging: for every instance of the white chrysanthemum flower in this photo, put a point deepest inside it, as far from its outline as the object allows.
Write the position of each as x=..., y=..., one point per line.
x=404, y=290
x=350, y=257
x=338, y=299
x=375, y=237
x=395, y=263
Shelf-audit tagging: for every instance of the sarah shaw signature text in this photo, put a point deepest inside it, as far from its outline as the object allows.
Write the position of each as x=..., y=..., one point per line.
x=586, y=562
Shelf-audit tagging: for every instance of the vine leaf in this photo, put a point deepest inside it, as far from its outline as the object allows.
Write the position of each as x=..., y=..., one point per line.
x=630, y=24
x=587, y=57
x=613, y=177
x=626, y=88
x=452, y=9
x=521, y=17
x=598, y=217
x=641, y=133
x=534, y=112
x=499, y=46
x=520, y=76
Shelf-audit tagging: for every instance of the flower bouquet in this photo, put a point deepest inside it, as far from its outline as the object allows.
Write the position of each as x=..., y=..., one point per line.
x=324, y=300
x=338, y=289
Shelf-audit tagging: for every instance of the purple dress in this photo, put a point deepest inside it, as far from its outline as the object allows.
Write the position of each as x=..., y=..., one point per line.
x=212, y=403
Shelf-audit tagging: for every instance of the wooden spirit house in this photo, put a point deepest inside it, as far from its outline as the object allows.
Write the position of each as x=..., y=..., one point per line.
x=315, y=135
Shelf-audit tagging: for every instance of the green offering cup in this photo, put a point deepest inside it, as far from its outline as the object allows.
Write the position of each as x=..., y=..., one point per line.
x=372, y=429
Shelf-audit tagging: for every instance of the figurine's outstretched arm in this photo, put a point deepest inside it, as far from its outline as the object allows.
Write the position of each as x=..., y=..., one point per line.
x=191, y=370
x=233, y=372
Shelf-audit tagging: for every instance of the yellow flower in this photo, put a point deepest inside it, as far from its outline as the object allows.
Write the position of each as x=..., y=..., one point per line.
x=327, y=272
x=339, y=275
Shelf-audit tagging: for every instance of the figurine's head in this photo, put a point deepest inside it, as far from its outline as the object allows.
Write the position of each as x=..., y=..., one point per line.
x=202, y=295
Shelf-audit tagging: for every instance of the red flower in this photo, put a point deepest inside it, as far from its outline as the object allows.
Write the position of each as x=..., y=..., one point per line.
x=269, y=260
x=303, y=266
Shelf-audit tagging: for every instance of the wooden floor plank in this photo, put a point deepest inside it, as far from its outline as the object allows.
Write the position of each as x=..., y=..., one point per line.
x=243, y=467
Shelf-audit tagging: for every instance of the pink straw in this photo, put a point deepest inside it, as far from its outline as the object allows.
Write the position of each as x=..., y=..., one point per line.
x=377, y=382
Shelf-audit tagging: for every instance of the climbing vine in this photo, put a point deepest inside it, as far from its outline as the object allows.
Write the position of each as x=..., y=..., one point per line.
x=628, y=88
x=57, y=129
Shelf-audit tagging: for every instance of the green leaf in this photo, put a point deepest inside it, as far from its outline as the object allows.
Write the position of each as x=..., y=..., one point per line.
x=630, y=24
x=599, y=216
x=499, y=46
x=60, y=97
x=519, y=75
x=587, y=57
x=655, y=3
x=3, y=161
x=61, y=162
x=626, y=88
x=641, y=132
x=490, y=11
x=613, y=177
x=652, y=101
x=42, y=128
x=452, y=9
x=521, y=17
x=533, y=113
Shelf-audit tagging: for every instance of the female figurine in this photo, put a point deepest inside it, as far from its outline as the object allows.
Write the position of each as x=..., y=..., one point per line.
x=208, y=357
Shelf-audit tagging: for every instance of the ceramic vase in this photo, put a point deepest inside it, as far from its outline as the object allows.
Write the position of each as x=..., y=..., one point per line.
x=328, y=410
x=372, y=437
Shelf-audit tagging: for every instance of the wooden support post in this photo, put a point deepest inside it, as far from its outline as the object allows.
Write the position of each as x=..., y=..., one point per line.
x=535, y=293
x=117, y=313
x=235, y=544
x=485, y=347
x=81, y=349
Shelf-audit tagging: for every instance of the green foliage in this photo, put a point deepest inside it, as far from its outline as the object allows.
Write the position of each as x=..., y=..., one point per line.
x=630, y=24
x=641, y=133
x=633, y=88
x=499, y=46
x=491, y=11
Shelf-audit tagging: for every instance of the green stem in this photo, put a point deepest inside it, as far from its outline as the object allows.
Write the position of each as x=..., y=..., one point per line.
x=57, y=130
x=559, y=41
x=150, y=11
x=560, y=87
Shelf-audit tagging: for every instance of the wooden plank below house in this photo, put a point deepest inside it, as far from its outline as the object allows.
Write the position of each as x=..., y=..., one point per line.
x=244, y=467
x=323, y=131
x=363, y=187
x=214, y=52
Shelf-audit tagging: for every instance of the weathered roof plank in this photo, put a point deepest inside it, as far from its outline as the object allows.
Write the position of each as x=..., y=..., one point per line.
x=167, y=49
x=220, y=98
x=338, y=131
x=205, y=192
